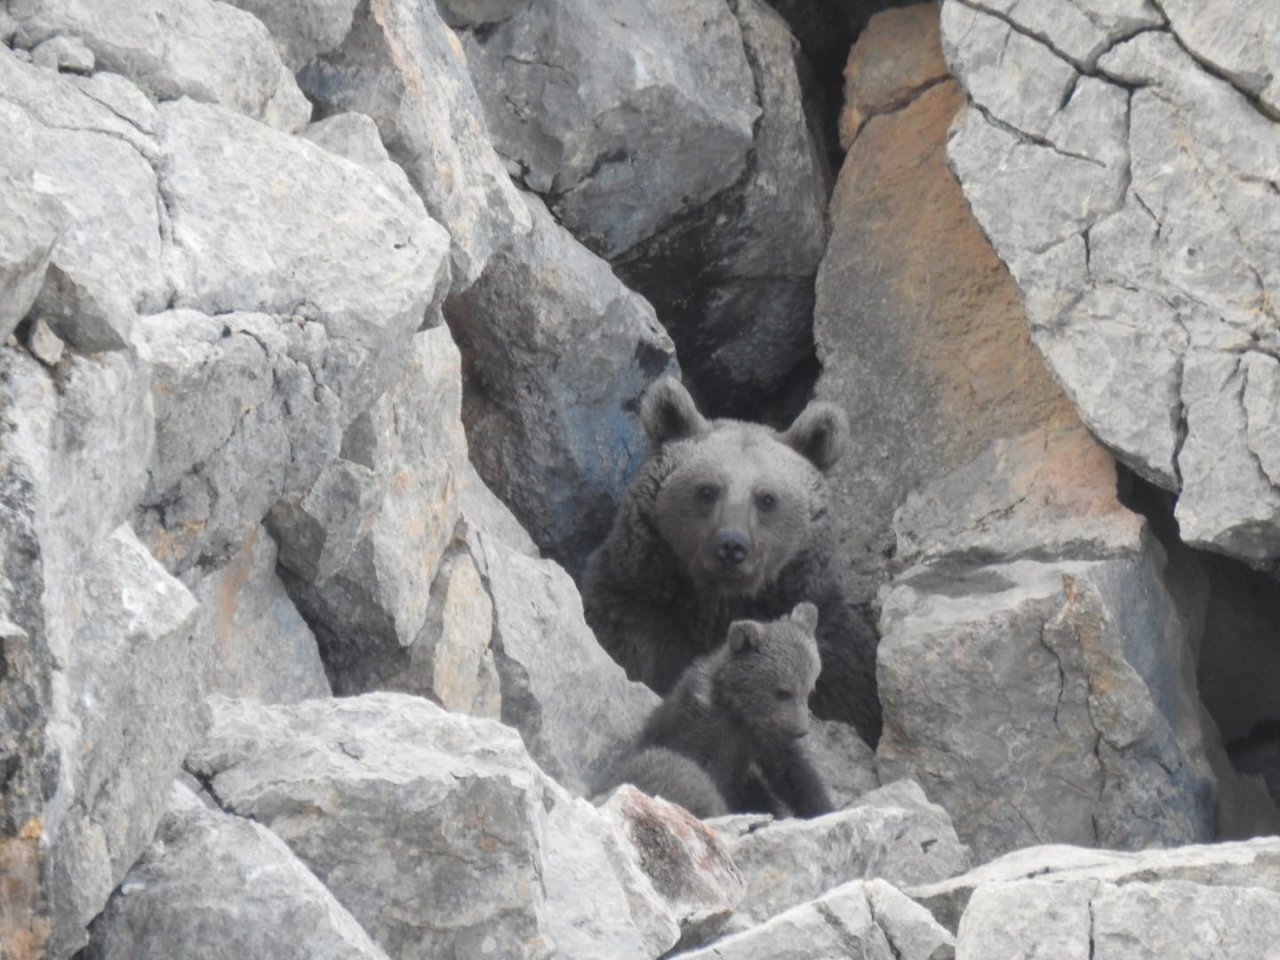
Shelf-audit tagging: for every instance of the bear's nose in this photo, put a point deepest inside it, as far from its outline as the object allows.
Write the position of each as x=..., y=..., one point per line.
x=732, y=548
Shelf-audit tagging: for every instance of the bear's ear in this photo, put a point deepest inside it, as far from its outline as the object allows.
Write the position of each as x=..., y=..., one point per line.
x=819, y=434
x=745, y=635
x=806, y=614
x=668, y=412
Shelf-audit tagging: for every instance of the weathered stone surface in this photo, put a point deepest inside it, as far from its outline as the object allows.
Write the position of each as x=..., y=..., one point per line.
x=1045, y=494
x=897, y=57
x=43, y=343
x=1145, y=268
x=478, y=13
x=918, y=326
x=571, y=703
x=733, y=280
x=557, y=353
x=685, y=860
x=215, y=886
x=1224, y=865
x=403, y=67
x=355, y=136
x=361, y=567
x=845, y=763
x=488, y=856
x=31, y=231
x=1090, y=919
x=624, y=115
x=198, y=48
x=261, y=648
x=892, y=833
x=1061, y=703
x=303, y=30
x=321, y=346
x=63, y=53
x=866, y=921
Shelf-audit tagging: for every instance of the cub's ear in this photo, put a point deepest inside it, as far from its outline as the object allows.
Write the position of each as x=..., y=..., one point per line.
x=744, y=636
x=668, y=412
x=806, y=614
x=820, y=434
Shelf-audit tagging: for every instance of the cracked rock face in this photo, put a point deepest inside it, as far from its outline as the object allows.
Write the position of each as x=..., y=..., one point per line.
x=1147, y=268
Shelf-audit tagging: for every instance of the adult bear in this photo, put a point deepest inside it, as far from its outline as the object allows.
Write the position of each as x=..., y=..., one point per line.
x=729, y=521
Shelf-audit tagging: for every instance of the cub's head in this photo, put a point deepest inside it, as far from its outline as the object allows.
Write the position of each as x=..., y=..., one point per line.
x=767, y=673
x=736, y=501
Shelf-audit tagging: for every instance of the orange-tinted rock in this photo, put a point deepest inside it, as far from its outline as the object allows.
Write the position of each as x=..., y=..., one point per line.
x=897, y=56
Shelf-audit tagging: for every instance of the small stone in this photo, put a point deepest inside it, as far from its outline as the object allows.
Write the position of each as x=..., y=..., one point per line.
x=64, y=53
x=44, y=344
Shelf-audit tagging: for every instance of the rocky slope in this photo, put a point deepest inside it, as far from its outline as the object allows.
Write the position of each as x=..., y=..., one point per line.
x=322, y=332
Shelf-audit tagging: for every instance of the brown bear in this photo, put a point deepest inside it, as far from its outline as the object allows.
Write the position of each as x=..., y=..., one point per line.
x=727, y=738
x=725, y=521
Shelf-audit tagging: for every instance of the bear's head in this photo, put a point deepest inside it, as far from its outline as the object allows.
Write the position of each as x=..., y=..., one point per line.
x=736, y=502
x=767, y=673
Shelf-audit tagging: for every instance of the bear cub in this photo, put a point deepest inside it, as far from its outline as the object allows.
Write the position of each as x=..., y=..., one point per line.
x=728, y=520
x=727, y=739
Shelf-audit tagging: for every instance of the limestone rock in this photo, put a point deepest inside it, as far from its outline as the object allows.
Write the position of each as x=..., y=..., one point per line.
x=893, y=833
x=1223, y=865
x=733, y=280
x=303, y=31
x=896, y=58
x=1145, y=268
x=32, y=226
x=479, y=13
x=860, y=921
x=1061, y=704
x=624, y=115
x=557, y=353
x=218, y=886
x=845, y=763
x=63, y=53
x=919, y=328
x=436, y=831
x=364, y=545
x=262, y=648
x=198, y=48
x=402, y=66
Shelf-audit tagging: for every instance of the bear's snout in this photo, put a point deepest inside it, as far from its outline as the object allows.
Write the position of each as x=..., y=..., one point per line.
x=732, y=548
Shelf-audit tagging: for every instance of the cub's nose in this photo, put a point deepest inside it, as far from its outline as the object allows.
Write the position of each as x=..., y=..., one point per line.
x=732, y=548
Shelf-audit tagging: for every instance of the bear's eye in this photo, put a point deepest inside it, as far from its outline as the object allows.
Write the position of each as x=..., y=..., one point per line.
x=765, y=502
x=783, y=694
x=708, y=493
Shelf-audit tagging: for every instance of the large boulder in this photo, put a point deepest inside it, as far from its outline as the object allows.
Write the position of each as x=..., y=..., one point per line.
x=197, y=48
x=556, y=352
x=400, y=64
x=1145, y=268
x=918, y=324
x=437, y=831
x=624, y=115
x=218, y=886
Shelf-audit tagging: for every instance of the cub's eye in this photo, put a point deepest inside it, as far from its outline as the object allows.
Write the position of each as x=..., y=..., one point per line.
x=708, y=493
x=783, y=695
x=766, y=502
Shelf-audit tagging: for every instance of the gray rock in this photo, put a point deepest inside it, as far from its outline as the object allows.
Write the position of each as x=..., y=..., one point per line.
x=685, y=860
x=31, y=231
x=262, y=649
x=489, y=855
x=733, y=280
x=198, y=48
x=364, y=546
x=624, y=115
x=557, y=353
x=44, y=344
x=846, y=764
x=1140, y=920
x=132, y=708
x=1144, y=269
x=1226, y=865
x=571, y=703
x=403, y=67
x=213, y=885
x=63, y=53
x=355, y=136
x=893, y=833
x=478, y=13
x=866, y=921
x=480, y=509
x=1061, y=702
x=303, y=31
